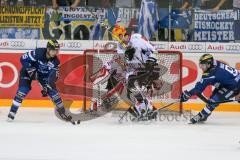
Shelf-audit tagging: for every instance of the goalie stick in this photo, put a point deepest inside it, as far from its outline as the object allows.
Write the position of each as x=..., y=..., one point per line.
x=204, y=99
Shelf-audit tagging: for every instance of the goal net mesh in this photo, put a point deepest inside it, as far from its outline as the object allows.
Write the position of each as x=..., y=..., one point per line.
x=169, y=85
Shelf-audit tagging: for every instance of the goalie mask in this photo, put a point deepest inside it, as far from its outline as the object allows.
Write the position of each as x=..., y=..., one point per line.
x=118, y=32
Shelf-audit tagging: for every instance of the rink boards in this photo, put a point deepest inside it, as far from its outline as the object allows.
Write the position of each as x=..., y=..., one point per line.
x=10, y=66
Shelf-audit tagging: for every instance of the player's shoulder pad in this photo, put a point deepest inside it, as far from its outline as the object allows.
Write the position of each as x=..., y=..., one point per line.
x=31, y=55
x=56, y=61
x=40, y=53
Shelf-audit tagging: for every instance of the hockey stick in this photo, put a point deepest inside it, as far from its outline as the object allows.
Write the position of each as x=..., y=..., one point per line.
x=204, y=99
x=67, y=120
x=166, y=106
x=123, y=115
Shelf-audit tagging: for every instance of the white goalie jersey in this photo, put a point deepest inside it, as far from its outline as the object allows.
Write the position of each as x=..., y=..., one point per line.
x=144, y=49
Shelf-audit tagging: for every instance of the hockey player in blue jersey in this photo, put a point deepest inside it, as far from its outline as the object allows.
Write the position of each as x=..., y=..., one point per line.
x=41, y=65
x=224, y=78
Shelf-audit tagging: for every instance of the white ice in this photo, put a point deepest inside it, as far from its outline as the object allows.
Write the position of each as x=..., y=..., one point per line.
x=37, y=134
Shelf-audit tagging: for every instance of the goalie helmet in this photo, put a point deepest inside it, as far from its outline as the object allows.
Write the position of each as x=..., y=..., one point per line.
x=53, y=45
x=118, y=30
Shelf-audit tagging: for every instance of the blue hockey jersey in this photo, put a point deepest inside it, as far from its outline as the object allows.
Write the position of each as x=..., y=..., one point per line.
x=221, y=74
x=38, y=60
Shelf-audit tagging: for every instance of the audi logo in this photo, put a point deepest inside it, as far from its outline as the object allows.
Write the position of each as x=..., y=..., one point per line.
x=195, y=47
x=110, y=46
x=74, y=44
x=160, y=46
x=15, y=77
x=233, y=47
x=4, y=44
x=17, y=43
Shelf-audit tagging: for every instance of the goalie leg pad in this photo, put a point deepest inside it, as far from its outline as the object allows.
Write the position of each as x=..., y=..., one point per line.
x=119, y=87
x=112, y=82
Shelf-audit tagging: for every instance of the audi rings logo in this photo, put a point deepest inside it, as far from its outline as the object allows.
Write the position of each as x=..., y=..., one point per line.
x=17, y=44
x=74, y=44
x=160, y=46
x=233, y=47
x=15, y=77
x=110, y=46
x=195, y=47
x=4, y=44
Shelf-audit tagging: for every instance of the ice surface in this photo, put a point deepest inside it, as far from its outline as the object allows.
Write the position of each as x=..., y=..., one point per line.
x=37, y=134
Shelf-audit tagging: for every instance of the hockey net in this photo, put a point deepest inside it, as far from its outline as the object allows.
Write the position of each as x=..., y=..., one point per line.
x=170, y=81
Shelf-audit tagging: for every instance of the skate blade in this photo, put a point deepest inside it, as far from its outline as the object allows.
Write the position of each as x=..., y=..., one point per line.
x=9, y=120
x=198, y=123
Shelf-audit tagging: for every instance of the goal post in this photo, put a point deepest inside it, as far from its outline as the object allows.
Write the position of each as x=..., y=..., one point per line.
x=170, y=80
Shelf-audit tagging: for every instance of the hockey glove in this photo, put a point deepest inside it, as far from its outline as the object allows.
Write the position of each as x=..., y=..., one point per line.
x=45, y=90
x=185, y=96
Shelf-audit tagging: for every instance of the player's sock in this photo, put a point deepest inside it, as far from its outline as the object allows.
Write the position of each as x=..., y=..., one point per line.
x=56, y=99
x=207, y=111
x=16, y=104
